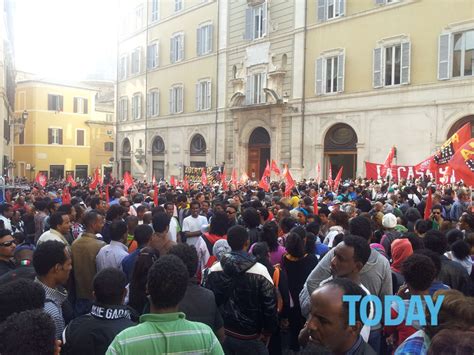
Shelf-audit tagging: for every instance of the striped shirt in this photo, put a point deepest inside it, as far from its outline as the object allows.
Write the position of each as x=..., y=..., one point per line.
x=168, y=333
x=53, y=306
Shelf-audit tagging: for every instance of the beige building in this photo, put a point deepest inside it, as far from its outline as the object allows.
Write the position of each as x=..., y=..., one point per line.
x=301, y=82
x=7, y=86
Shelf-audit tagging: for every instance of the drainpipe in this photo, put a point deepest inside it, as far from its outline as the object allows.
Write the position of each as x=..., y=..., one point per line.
x=303, y=99
x=217, y=84
x=146, y=92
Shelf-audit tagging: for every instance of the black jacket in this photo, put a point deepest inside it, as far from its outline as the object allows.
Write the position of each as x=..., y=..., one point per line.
x=92, y=333
x=245, y=294
x=454, y=275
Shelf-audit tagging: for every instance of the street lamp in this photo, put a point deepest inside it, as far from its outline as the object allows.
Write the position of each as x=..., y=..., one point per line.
x=139, y=155
x=17, y=121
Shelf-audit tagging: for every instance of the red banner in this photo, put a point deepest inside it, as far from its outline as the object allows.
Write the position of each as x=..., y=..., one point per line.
x=463, y=162
x=397, y=172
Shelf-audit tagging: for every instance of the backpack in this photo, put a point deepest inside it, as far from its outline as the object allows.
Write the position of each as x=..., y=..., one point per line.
x=276, y=281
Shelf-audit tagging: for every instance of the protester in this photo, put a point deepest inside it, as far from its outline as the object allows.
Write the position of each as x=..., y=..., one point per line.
x=112, y=254
x=59, y=226
x=142, y=236
x=7, y=250
x=23, y=259
x=167, y=281
x=20, y=295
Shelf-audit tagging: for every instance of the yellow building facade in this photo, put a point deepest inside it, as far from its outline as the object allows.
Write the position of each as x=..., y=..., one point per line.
x=64, y=134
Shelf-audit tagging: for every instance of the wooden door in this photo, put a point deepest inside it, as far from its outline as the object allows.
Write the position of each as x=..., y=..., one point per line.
x=254, y=163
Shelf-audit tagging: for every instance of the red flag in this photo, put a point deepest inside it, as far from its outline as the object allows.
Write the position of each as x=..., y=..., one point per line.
x=107, y=196
x=330, y=181
x=172, y=181
x=289, y=182
x=96, y=180
x=204, y=177
x=71, y=180
x=451, y=146
x=463, y=163
x=388, y=161
x=264, y=183
x=318, y=174
x=338, y=178
x=315, y=205
x=233, y=179
x=185, y=183
x=275, y=168
x=127, y=182
x=41, y=179
x=155, y=194
x=446, y=179
x=223, y=180
x=66, y=196
x=429, y=203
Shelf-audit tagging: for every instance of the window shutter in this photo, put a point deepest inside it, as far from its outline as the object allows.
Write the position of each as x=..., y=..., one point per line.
x=443, y=56
x=171, y=101
x=340, y=72
x=134, y=104
x=198, y=96
x=139, y=106
x=198, y=42
x=61, y=107
x=50, y=136
x=149, y=57
x=80, y=137
x=322, y=9
x=157, y=54
x=405, y=63
x=125, y=101
x=180, y=99
x=149, y=104
x=60, y=135
x=181, y=47
x=210, y=37
x=263, y=83
x=50, y=102
x=342, y=7
x=209, y=97
x=319, y=75
x=248, y=24
x=264, y=18
x=86, y=106
x=75, y=105
x=157, y=103
x=377, y=68
x=172, y=50
x=249, y=90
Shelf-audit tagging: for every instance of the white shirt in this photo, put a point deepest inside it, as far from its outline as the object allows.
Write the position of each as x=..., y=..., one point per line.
x=111, y=256
x=202, y=252
x=173, y=229
x=52, y=234
x=191, y=224
x=6, y=222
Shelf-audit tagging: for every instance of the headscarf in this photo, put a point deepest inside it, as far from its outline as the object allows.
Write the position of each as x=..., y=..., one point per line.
x=379, y=248
x=401, y=250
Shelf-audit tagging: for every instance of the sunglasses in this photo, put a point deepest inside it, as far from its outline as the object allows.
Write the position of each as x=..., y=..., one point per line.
x=7, y=244
x=436, y=212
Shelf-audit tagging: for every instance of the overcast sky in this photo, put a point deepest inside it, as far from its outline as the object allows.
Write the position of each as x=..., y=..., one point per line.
x=66, y=39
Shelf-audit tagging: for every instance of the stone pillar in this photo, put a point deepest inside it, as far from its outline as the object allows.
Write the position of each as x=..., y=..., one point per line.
x=361, y=158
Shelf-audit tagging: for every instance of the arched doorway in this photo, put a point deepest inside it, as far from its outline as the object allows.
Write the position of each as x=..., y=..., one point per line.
x=158, y=154
x=340, y=149
x=259, y=152
x=126, y=156
x=460, y=123
x=198, y=152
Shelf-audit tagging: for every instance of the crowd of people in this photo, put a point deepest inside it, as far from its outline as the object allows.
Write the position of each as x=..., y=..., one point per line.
x=238, y=271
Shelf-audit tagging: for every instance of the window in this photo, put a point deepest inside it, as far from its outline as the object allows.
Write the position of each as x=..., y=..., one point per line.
x=153, y=103
x=135, y=61
x=55, y=102
x=391, y=65
x=80, y=105
x=139, y=17
x=256, y=21
x=330, y=9
x=177, y=48
x=123, y=109
x=55, y=136
x=158, y=146
x=176, y=99
x=123, y=67
x=81, y=172
x=384, y=2
x=137, y=106
x=330, y=74
x=152, y=56
x=109, y=146
x=56, y=171
x=463, y=54
x=178, y=5
x=155, y=10
x=254, y=93
x=198, y=145
x=80, y=137
x=109, y=117
x=204, y=39
x=203, y=95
